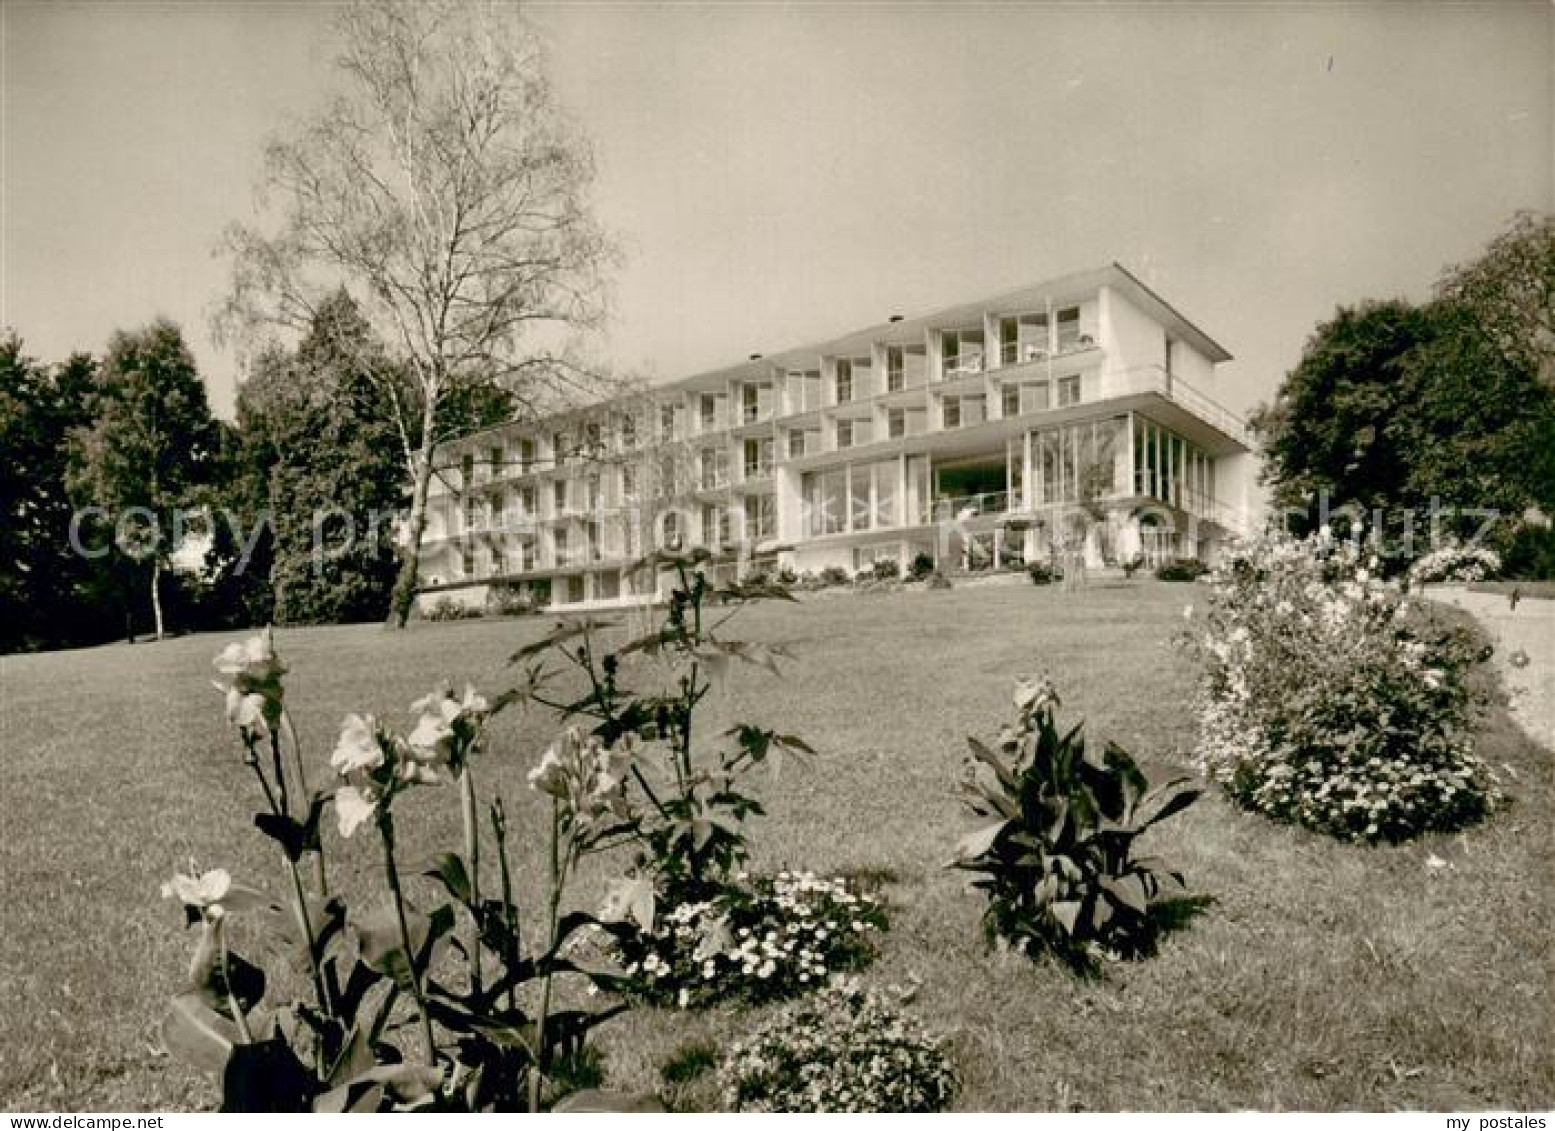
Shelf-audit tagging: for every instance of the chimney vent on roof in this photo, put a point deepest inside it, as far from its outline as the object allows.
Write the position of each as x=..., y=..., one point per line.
x=755, y=357
x=894, y=318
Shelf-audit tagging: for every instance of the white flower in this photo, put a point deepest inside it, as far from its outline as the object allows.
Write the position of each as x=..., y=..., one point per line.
x=446, y=727
x=358, y=749
x=352, y=807
x=549, y=775
x=203, y=892
x=252, y=685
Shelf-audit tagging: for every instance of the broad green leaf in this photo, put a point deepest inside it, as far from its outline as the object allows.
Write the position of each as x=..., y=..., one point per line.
x=1176, y=803
x=1127, y=890
x=378, y=939
x=1067, y=912
x=407, y=1083
x=975, y=844
x=266, y=1076
x=197, y=1035
x=449, y=868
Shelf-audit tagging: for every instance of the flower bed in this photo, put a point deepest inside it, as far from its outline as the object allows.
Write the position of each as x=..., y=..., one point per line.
x=1333, y=700
x=760, y=939
x=846, y=1049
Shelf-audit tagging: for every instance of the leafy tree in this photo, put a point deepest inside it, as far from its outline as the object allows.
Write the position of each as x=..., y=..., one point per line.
x=1328, y=427
x=46, y=590
x=1510, y=289
x=1478, y=426
x=446, y=189
x=1408, y=412
x=319, y=468
x=149, y=447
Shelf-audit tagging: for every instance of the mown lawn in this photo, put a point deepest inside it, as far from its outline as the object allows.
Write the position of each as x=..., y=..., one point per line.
x=1323, y=976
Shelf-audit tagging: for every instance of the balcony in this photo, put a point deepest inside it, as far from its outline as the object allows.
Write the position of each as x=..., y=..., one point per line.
x=962, y=365
x=963, y=507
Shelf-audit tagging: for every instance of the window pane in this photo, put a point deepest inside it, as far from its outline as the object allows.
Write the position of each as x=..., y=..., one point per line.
x=859, y=501
x=885, y=494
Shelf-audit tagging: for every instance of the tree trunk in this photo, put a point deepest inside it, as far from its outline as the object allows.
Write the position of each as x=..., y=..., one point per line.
x=410, y=561
x=156, y=594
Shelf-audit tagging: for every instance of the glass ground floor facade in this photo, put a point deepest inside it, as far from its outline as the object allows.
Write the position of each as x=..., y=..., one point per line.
x=1106, y=490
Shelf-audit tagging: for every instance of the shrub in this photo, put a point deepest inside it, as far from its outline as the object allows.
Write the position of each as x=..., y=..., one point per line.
x=1132, y=565
x=922, y=565
x=1183, y=569
x=847, y=1049
x=786, y=576
x=446, y=608
x=938, y=580
x=1455, y=563
x=1044, y=573
x=832, y=576
x=886, y=569
x=508, y=601
x=1057, y=857
x=756, y=940
x=1332, y=700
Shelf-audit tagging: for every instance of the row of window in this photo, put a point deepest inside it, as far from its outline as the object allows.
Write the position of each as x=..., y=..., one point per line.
x=956, y=411
x=754, y=519
x=1022, y=337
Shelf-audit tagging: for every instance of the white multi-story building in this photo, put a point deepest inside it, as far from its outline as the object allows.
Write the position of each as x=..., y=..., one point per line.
x=1064, y=417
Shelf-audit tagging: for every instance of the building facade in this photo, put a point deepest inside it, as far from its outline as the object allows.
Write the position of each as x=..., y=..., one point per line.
x=1065, y=418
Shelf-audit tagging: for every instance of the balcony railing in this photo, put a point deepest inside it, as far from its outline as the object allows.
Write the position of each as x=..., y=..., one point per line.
x=962, y=365
x=957, y=507
x=1019, y=353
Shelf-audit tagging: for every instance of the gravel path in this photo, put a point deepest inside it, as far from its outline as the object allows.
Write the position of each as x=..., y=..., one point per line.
x=1527, y=631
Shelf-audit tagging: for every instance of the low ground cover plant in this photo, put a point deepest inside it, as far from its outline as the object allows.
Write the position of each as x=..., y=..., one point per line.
x=1055, y=855
x=846, y=1049
x=1332, y=699
x=761, y=938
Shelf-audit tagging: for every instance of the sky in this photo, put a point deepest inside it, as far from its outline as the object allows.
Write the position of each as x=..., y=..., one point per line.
x=780, y=173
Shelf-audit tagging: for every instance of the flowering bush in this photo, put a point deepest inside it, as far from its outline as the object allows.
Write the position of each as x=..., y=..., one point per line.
x=758, y=940
x=374, y=1030
x=1455, y=563
x=1333, y=700
x=846, y=1049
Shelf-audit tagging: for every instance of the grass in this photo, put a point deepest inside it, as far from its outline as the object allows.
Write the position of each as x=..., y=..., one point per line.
x=1323, y=977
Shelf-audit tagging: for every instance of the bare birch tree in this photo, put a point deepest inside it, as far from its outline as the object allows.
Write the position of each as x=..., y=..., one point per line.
x=447, y=191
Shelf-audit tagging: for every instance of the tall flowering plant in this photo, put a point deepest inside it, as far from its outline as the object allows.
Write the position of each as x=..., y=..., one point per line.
x=687, y=795
x=688, y=924
x=378, y=1030
x=1332, y=699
